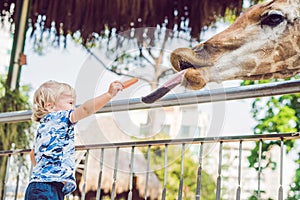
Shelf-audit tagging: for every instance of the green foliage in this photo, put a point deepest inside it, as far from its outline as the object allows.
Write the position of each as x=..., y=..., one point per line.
x=230, y=17
x=157, y=155
x=276, y=114
x=14, y=132
x=255, y=197
x=294, y=193
x=17, y=133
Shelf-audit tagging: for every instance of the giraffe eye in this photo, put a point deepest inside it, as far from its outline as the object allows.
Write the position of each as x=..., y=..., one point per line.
x=273, y=19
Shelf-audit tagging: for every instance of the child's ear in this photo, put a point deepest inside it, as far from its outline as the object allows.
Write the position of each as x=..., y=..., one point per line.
x=49, y=106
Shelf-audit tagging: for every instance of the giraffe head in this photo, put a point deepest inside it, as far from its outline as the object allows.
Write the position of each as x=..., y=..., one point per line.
x=263, y=43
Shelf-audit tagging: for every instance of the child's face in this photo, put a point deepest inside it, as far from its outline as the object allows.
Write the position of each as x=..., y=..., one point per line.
x=65, y=102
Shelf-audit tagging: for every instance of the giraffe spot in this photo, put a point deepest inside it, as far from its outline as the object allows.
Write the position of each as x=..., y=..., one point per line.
x=249, y=65
x=296, y=62
x=285, y=50
x=263, y=67
x=298, y=41
x=276, y=57
x=282, y=67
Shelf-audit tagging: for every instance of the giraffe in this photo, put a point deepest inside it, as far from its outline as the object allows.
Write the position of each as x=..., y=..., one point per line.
x=263, y=43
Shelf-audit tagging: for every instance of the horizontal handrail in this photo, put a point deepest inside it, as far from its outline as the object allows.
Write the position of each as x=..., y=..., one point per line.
x=186, y=98
x=238, y=138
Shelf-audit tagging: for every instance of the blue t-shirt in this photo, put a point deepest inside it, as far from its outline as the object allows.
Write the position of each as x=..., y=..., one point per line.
x=54, y=149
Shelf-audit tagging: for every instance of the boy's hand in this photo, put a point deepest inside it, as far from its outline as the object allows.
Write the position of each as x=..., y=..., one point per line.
x=115, y=87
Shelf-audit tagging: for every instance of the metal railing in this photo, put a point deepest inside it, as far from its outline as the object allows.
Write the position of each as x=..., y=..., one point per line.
x=187, y=98
x=203, y=96
x=200, y=143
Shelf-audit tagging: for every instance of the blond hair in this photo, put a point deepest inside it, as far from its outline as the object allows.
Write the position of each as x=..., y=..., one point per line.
x=48, y=92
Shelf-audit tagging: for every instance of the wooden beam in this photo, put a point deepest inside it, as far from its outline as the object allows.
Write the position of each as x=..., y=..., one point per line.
x=17, y=55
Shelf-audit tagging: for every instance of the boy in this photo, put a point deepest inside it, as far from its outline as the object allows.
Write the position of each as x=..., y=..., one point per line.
x=53, y=156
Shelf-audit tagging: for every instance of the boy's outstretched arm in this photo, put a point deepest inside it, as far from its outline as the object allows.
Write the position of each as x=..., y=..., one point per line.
x=93, y=105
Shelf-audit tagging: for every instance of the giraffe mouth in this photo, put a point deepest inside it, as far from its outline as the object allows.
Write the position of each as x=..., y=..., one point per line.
x=183, y=65
x=184, y=58
x=196, y=66
x=196, y=75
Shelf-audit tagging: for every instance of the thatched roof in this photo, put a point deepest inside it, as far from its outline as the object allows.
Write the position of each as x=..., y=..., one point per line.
x=91, y=18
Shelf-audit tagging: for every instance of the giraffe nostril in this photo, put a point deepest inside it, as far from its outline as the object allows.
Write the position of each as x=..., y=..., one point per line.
x=185, y=65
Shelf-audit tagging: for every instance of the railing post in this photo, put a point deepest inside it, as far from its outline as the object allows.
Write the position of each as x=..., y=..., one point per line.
x=18, y=176
x=165, y=172
x=259, y=169
x=238, y=192
x=85, y=174
x=199, y=174
x=113, y=188
x=218, y=191
x=131, y=173
x=280, y=192
x=98, y=194
x=147, y=172
x=6, y=175
x=181, y=173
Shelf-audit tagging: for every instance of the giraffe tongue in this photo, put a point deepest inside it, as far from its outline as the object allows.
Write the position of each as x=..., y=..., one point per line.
x=164, y=89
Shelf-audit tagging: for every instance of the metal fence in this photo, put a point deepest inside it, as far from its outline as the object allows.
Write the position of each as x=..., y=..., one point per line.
x=200, y=143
